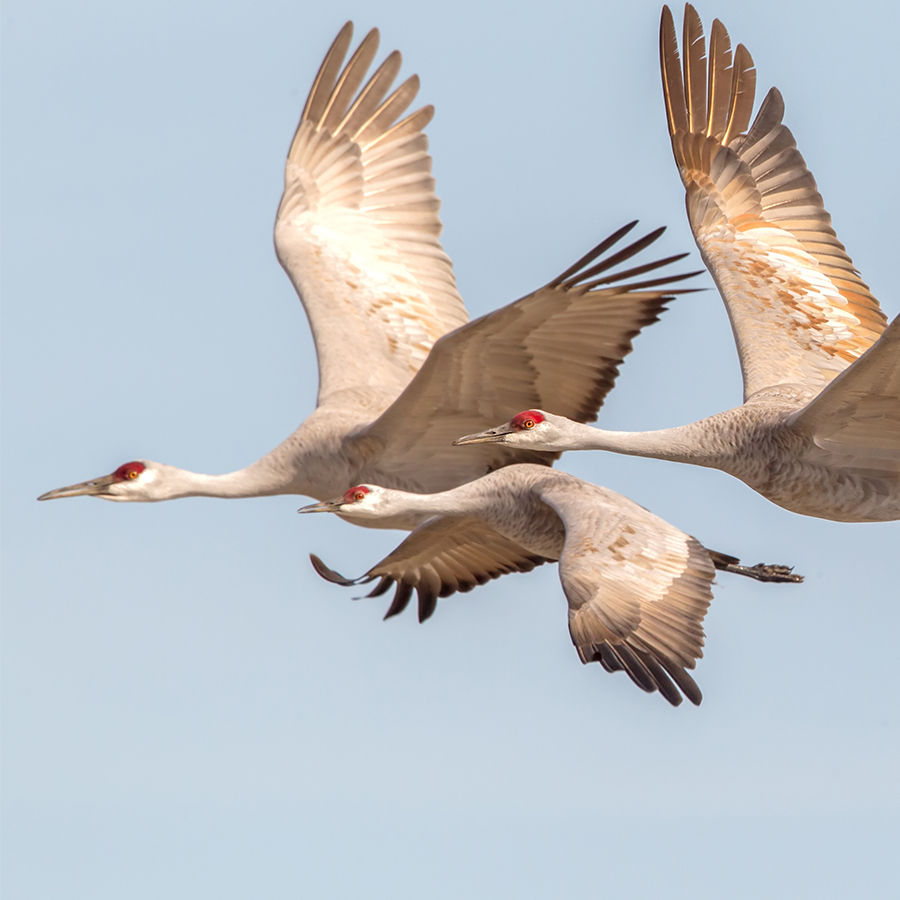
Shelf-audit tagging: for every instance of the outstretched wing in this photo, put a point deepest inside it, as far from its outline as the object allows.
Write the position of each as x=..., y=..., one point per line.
x=638, y=588
x=558, y=349
x=444, y=555
x=799, y=309
x=856, y=419
x=357, y=228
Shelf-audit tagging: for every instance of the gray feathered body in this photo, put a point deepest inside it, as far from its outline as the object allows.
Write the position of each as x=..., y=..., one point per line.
x=761, y=444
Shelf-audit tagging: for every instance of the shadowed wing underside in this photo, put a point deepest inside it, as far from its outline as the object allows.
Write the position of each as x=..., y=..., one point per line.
x=558, y=349
x=800, y=312
x=357, y=228
x=444, y=555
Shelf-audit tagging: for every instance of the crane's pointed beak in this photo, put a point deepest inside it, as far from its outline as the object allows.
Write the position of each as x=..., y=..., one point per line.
x=94, y=488
x=492, y=436
x=324, y=506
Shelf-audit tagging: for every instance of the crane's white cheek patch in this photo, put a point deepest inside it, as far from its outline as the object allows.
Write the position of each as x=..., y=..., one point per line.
x=133, y=489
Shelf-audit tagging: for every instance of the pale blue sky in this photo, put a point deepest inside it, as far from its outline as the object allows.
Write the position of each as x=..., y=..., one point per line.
x=189, y=711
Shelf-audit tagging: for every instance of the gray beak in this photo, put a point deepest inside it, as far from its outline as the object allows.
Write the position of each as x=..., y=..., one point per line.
x=492, y=436
x=324, y=506
x=94, y=487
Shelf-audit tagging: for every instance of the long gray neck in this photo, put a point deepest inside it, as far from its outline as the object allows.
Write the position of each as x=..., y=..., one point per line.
x=312, y=461
x=687, y=443
x=255, y=481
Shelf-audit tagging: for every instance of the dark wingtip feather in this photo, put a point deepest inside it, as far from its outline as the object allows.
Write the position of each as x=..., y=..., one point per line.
x=427, y=601
x=329, y=574
x=400, y=601
x=381, y=587
x=591, y=255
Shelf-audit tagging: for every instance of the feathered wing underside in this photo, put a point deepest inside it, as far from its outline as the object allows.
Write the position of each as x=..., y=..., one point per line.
x=638, y=588
x=799, y=309
x=855, y=422
x=357, y=228
x=444, y=555
x=559, y=349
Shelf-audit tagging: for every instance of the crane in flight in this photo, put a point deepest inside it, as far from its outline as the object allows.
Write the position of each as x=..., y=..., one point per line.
x=401, y=369
x=819, y=430
x=637, y=587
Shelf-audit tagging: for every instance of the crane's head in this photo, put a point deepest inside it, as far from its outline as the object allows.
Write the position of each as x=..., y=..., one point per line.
x=137, y=480
x=365, y=501
x=532, y=428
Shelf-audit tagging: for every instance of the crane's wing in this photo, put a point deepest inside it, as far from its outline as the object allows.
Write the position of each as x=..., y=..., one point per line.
x=855, y=421
x=638, y=588
x=558, y=349
x=444, y=555
x=799, y=309
x=357, y=228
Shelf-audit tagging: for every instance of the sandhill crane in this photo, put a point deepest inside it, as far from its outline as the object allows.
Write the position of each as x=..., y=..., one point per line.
x=819, y=431
x=400, y=372
x=637, y=587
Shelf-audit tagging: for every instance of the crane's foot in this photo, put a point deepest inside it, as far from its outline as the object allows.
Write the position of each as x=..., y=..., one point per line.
x=763, y=572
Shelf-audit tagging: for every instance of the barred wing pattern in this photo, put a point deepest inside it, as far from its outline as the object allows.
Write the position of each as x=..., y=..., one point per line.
x=799, y=309
x=357, y=229
x=511, y=359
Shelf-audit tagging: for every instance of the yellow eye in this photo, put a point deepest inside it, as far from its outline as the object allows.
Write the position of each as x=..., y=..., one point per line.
x=528, y=423
x=132, y=474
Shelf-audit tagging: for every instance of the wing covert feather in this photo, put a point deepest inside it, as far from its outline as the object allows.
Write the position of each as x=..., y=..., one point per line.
x=799, y=309
x=357, y=227
x=638, y=588
x=856, y=419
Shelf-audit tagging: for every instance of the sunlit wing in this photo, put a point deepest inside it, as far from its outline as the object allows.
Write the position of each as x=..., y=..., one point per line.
x=558, y=349
x=444, y=555
x=638, y=588
x=357, y=228
x=799, y=309
x=856, y=419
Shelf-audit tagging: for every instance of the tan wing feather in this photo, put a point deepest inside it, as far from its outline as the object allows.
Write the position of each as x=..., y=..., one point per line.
x=357, y=228
x=856, y=419
x=638, y=588
x=509, y=360
x=799, y=309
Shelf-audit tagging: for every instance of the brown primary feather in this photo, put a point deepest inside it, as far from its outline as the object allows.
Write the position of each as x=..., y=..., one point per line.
x=328, y=70
x=694, y=69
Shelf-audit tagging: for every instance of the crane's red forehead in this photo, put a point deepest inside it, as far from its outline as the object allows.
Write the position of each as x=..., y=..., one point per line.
x=350, y=495
x=519, y=420
x=123, y=473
